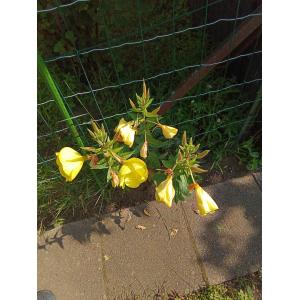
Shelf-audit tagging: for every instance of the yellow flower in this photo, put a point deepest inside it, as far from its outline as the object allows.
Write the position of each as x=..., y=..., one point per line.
x=133, y=172
x=168, y=131
x=144, y=150
x=126, y=131
x=205, y=203
x=165, y=191
x=69, y=162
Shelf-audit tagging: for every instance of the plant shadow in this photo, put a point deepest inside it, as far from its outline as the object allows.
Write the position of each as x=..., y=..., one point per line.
x=230, y=240
x=80, y=231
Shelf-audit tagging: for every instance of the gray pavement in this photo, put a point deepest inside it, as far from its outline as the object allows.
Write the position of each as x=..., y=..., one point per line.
x=129, y=253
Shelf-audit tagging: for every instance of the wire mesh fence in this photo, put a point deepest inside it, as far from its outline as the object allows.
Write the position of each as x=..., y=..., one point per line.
x=99, y=53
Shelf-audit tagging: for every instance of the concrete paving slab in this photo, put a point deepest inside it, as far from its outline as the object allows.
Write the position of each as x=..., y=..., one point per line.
x=69, y=261
x=130, y=253
x=143, y=261
x=229, y=241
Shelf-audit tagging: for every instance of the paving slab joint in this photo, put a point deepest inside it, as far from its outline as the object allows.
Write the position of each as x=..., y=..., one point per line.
x=104, y=276
x=193, y=242
x=257, y=181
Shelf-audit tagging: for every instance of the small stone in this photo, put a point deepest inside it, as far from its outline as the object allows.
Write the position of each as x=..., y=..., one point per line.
x=141, y=227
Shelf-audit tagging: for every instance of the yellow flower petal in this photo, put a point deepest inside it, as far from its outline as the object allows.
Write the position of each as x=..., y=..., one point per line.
x=133, y=173
x=165, y=191
x=126, y=131
x=69, y=163
x=168, y=131
x=206, y=205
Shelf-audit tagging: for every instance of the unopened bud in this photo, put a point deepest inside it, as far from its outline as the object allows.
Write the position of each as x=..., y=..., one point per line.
x=144, y=150
x=114, y=179
x=119, y=159
x=94, y=159
x=169, y=172
x=197, y=169
x=179, y=155
x=132, y=103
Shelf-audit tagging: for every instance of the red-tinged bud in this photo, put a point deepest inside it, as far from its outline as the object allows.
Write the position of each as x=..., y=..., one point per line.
x=94, y=160
x=169, y=172
x=179, y=155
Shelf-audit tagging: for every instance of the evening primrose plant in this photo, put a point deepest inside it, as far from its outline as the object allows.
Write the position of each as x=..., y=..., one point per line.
x=173, y=177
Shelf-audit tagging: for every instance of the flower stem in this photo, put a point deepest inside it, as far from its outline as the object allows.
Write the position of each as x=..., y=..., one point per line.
x=192, y=176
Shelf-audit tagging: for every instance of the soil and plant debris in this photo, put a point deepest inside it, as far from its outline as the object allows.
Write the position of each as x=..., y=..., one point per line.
x=115, y=199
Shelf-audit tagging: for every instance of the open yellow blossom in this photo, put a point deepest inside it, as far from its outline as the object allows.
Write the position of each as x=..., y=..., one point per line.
x=133, y=172
x=205, y=203
x=126, y=131
x=168, y=131
x=69, y=163
x=165, y=191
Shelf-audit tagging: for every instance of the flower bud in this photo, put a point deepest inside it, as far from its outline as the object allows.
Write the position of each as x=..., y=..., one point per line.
x=144, y=150
x=132, y=104
x=114, y=179
x=94, y=159
x=179, y=155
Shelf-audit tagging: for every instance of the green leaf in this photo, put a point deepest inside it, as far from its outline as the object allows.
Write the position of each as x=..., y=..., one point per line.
x=59, y=47
x=254, y=154
x=70, y=36
x=158, y=178
x=152, y=140
x=181, y=188
x=132, y=115
x=183, y=185
x=153, y=160
x=168, y=164
x=118, y=149
x=128, y=154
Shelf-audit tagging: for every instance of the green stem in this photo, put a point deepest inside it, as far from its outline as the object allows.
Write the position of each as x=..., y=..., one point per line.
x=43, y=70
x=192, y=176
x=58, y=99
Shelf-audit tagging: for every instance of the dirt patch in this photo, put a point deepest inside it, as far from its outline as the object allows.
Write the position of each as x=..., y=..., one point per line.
x=230, y=167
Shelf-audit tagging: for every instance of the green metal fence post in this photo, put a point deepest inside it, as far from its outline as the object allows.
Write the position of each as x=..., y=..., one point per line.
x=43, y=70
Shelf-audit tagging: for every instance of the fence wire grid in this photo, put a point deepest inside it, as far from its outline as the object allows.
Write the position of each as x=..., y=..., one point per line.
x=99, y=53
